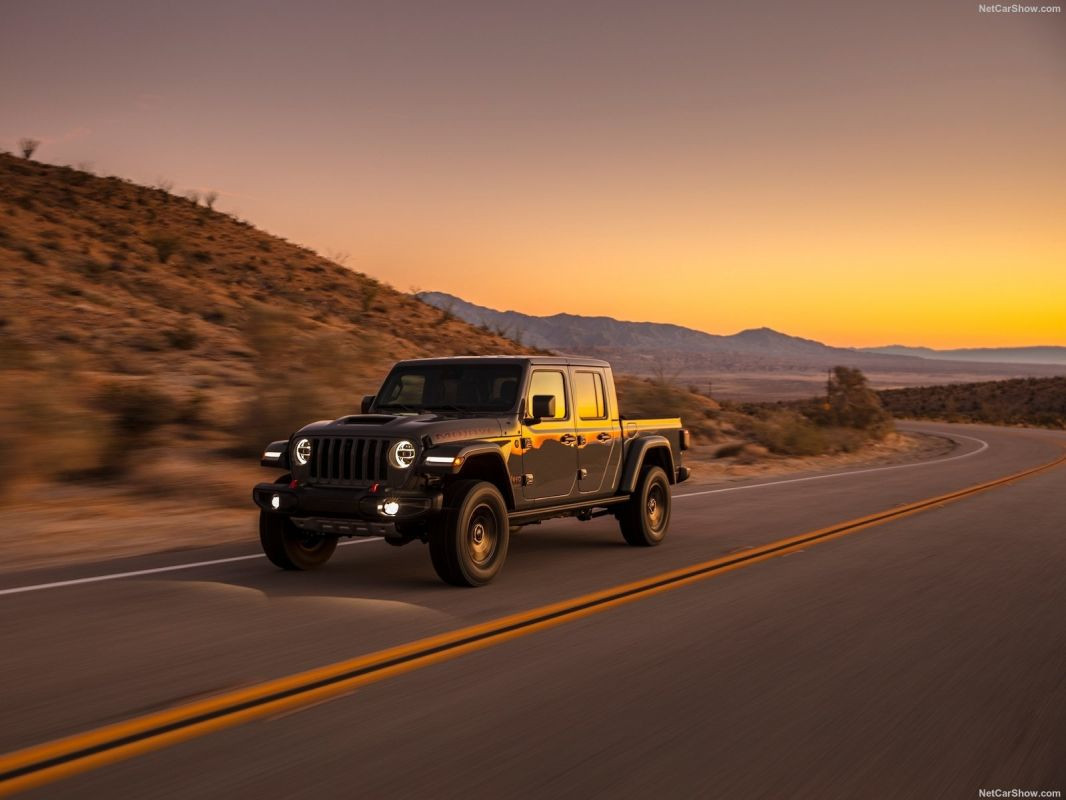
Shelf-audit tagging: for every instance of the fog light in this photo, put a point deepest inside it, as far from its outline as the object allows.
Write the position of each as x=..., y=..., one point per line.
x=275, y=502
x=390, y=508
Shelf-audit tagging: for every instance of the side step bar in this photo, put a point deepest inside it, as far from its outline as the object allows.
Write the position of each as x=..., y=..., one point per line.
x=564, y=510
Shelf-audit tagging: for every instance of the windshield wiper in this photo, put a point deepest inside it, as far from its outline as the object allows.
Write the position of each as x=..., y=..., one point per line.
x=401, y=406
x=450, y=407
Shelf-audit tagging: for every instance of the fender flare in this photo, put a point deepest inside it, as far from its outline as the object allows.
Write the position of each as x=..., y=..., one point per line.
x=635, y=461
x=468, y=452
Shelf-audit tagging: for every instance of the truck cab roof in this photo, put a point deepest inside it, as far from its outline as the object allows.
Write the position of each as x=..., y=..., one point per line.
x=558, y=361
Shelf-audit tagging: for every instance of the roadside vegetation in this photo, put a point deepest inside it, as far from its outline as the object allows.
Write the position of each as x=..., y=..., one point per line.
x=845, y=419
x=1024, y=401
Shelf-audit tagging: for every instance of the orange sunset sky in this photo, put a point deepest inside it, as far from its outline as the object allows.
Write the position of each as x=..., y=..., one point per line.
x=858, y=173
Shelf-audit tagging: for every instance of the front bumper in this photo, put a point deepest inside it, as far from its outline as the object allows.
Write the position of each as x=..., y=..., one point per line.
x=346, y=511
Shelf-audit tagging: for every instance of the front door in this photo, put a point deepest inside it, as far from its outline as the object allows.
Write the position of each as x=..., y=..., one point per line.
x=597, y=431
x=549, y=454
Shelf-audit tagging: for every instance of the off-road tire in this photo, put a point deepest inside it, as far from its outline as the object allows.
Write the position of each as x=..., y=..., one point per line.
x=645, y=518
x=468, y=544
x=290, y=548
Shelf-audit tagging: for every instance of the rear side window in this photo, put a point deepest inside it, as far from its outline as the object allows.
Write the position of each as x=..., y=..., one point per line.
x=589, y=395
x=545, y=382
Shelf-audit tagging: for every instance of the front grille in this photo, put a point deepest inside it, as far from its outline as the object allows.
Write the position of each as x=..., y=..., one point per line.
x=347, y=461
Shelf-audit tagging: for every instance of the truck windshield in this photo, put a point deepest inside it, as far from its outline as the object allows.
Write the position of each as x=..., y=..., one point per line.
x=450, y=387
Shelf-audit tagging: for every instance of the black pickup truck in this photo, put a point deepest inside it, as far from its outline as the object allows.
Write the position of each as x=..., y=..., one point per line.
x=460, y=452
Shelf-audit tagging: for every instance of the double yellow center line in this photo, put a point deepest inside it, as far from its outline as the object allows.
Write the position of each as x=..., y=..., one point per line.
x=51, y=761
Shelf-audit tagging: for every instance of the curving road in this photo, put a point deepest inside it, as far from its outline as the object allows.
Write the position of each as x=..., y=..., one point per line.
x=921, y=656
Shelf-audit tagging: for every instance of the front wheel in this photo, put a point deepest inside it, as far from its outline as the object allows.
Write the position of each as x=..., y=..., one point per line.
x=645, y=518
x=290, y=548
x=469, y=544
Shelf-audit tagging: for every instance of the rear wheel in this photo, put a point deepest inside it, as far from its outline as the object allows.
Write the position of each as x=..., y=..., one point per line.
x=645, y=518
x=469, y=544
x=290, y=548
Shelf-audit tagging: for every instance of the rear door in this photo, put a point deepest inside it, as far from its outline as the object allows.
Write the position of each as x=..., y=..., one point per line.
x=549, y=454
x=597, y=428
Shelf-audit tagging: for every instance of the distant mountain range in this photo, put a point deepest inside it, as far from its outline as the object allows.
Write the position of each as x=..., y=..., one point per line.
x=1009, y=355
x=647, y=347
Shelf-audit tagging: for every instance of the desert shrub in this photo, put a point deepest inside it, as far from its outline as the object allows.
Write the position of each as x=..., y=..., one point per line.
x=28, y=147
x=134, y=411
x=45, y=429
x=182, y=338
x=31, y=255
x=136, y=408
x=368, y=294
x=786, y=432
x=92, y=269
x=165, y=245
x=729, y=450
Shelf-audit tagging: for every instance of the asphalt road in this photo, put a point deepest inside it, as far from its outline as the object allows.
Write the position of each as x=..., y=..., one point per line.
x=922, y=657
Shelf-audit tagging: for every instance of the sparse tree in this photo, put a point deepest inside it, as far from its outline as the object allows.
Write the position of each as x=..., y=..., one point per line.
x=851, y=402
x=193, y=197
x=164, y=185
x=28, y=146
x=210, y=198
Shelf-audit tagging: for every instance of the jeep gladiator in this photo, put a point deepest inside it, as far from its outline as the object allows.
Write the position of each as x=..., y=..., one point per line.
x=460, y=452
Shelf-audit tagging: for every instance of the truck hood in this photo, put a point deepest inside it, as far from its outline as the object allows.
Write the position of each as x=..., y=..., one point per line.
x=439, y=428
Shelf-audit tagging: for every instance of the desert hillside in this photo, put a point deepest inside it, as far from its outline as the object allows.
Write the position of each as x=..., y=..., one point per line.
x=125, y=309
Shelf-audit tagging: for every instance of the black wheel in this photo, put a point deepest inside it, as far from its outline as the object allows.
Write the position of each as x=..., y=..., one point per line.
x=645, y=518
x=469, y=544
x=290, y=548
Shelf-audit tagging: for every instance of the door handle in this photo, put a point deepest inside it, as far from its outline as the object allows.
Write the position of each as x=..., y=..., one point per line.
x=603, y=437
x=581, y=440
x=568, y=438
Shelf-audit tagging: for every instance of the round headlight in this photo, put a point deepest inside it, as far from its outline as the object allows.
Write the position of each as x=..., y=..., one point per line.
x=302, y=451
x=402, y=454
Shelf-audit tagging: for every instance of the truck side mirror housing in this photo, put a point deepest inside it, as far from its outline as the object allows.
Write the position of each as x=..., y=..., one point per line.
x=368, y=401
x=543, y=406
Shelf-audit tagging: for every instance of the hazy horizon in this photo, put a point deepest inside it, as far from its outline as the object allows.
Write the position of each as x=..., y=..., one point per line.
x=860, y=175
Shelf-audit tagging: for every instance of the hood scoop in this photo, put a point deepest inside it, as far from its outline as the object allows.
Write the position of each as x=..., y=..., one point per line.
x=366, y=419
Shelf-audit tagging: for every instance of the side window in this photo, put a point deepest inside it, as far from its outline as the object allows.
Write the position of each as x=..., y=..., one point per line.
x=589, y=395
x=545, y=382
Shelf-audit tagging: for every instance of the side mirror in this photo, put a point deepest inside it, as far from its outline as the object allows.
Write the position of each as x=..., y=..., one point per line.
x=368, y=401
x=543, y=406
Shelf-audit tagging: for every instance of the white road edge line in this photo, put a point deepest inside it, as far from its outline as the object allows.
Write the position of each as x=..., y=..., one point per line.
x=982, y=442
x=114, y=576
x=135, y=573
